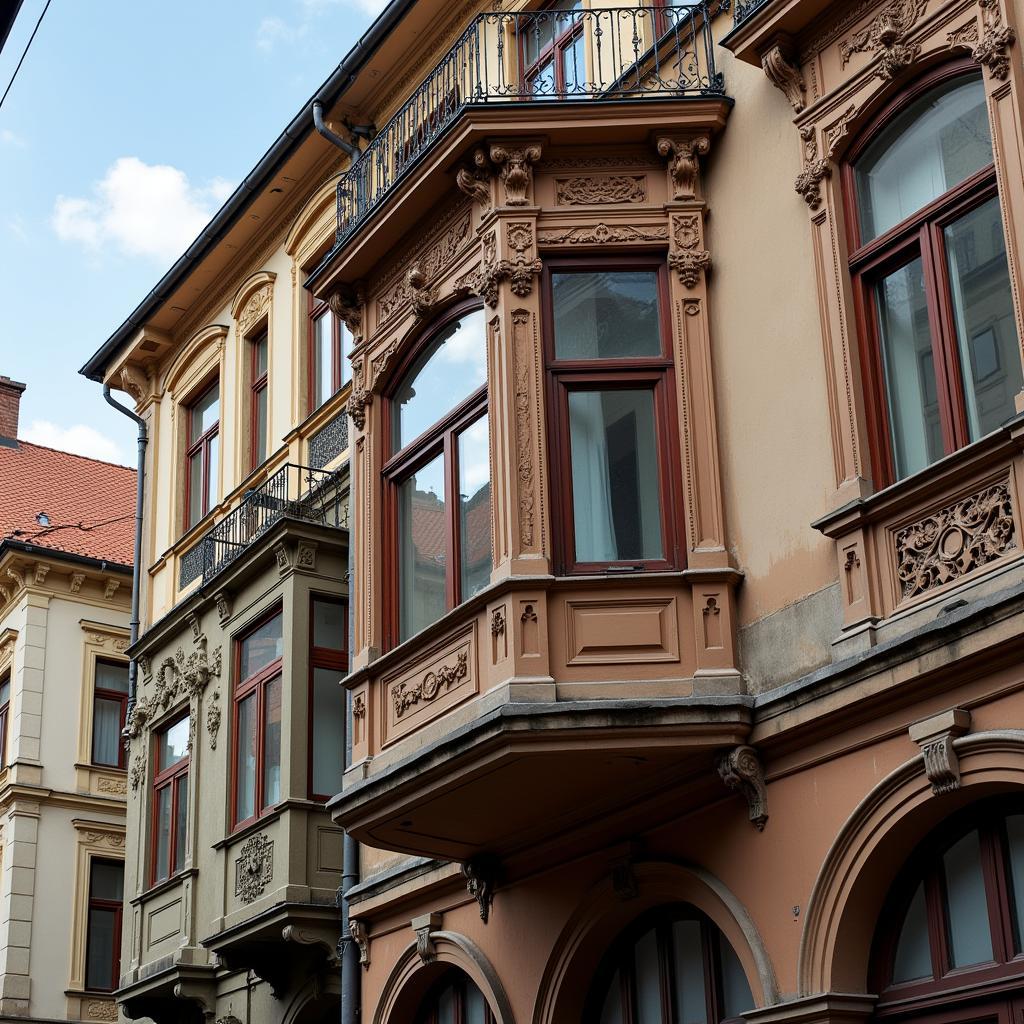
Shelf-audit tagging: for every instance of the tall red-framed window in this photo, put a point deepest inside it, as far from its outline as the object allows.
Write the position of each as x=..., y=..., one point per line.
x=929, y=270
x=328, y=665
x=169, y=826
x=437, y=477
x=952, y=933
x=259, y=353
x=202, y=451
x=330, y=343
x=5, y=710
x=613, y=426
x=257, y=706
x=455, y=999
x=109, y=710
x=552, y=50
x=103, y=925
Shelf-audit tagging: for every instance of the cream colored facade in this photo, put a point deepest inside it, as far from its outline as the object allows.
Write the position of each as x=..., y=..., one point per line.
x=58, y=617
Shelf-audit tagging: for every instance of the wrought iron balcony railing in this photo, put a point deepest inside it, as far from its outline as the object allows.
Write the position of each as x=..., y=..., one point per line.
x=743, y=9
x=534, y=57
x=297, y=492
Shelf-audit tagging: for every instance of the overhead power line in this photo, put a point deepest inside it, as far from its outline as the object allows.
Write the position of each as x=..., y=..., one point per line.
x=25, y=54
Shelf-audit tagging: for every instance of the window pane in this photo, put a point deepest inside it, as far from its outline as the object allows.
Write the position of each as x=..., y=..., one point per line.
x=983, y=308
x=939, y=141
x=172, y=744
x=260, y=356
x=245, y=760
x=736, y=994
x=5, y=691
x=323, y=373
x=181, y=820
x=422, y=526
x=542, y=81
x=611, y=1012
x=476, y=1005
x=346, y=348
x=262, y=646
x=449, y=371
x=272, y=742
x=329, y=625
x=606, y=315
x=205, y=413
x=913, y=953
x=106, y=732
x=100, y=945
x=106, y=880
x=447, y=1005
x=260, y=426
x=474, y=508
x=328, y=731
x=690, y=997
x=616, y=504
x=110, y=675
x=196, y=509
x=574, y=69
x=911, y=388
x=1015, y=839
x=647, y=968
x=213, y=447
x=162, y=853
x=969, y=937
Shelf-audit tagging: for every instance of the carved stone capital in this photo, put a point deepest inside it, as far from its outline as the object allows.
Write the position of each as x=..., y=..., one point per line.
x=779, y=64
x=935, y=737
x=996, y=39
x=683, y=154
x=741, y=769
x=516, y=170
x=481, y=874
x=424, y=926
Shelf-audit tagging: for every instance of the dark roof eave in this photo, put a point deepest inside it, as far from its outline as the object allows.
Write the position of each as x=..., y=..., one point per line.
x=299, y=127
x=42, y=551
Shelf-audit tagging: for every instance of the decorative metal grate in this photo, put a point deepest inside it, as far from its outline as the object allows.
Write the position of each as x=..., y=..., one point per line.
x=297, y=492
x=329, y=441
x=534, y=57
x=742, y=10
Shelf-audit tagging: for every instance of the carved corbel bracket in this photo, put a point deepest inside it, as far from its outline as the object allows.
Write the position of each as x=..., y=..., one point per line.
x=481, y=874
x=741, y=769
x=422, y=297
x=200, y=991
x=347, y=304
x=779, y=64
x=135, y=382
x=424, y=926
x=515, y=163
x=357, y=929
x=816, y=170
x=223, y=601
x=475, y=180
x=935, y=737
x=360, y=397
x=624, y=880
x=683, y=154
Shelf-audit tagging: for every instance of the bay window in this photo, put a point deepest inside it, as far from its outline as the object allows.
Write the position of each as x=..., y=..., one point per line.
x=258, y=393
x=170, y=800
x=103, y=927
x=330, y=343
x=257, y=720
x=328, y=665
x=438, y=475
x=109, y=707
x=931, y=282
x=614, y=431
x=201, y=454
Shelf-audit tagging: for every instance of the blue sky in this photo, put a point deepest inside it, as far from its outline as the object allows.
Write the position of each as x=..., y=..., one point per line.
x=129, y=123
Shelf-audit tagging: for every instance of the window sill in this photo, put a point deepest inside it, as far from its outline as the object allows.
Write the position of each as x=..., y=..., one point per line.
x=161, y=887
x=246, y=830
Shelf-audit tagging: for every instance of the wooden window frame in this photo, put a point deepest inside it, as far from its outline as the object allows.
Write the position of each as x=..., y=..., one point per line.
x=176, y=777
x=94, y=902
x=324, y=658
x=553, y=51
x=997, y=979
x=654, y=373
x=427, y=1012
x=5, y=716
x=919, y=235
x=315, y=309
x=258, y=383
x=256, y=683
x=200, y=446
x=436, y=440
x=98, y=693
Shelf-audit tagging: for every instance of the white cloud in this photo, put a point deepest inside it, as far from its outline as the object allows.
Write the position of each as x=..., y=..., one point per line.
x=9, y=138
x=78, y=439
x=274, y=30
x=140, y=209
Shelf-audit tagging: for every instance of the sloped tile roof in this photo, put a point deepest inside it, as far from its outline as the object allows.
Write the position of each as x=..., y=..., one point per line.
x=90, y=504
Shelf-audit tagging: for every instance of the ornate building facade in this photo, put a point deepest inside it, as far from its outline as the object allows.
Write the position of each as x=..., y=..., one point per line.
x=686, y=614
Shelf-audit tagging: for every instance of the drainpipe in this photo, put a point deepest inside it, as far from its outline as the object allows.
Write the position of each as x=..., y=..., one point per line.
x=342, y=144
x=140, y=478
x=350, y=993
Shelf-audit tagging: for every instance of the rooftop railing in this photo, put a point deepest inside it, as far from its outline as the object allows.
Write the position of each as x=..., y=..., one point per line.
x=535, y=57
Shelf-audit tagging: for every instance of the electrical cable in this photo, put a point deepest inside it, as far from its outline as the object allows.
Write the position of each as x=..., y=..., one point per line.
x=25, y=54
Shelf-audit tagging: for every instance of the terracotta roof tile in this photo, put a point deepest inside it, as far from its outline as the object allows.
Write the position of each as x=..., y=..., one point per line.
x=90, y=504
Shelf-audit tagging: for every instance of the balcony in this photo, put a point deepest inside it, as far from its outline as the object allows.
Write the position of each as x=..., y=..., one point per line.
x=292, y=492
x=534, y=59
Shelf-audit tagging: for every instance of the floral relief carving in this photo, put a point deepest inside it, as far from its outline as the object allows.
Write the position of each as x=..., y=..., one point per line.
x=213, y=714
x=114, y=785
x=516, y=166
x=359, y=706
x=955, y=540
x=523, y=368
x=137, y=772
x=689, y=260
x=964, y=36
x=431, y=686
x=601, y=188
x=602, y=234
x=835, y=133
x=808, y=181
x=254, y=867
x=101, y=1009
x=520, y=272
x=255, y=309
x=885, y=37
x=996, y=39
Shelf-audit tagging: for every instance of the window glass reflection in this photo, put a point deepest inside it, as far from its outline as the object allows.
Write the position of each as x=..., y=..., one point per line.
x=422, y=526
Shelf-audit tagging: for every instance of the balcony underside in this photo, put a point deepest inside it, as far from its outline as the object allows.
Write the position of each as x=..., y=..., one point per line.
x=526, y=772
x=554, y=123
x=766, y=21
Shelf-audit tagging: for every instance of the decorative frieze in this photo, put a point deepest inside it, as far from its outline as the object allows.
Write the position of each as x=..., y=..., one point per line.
x=594, y=189
x=741, y=770
x=886, y=37
x=955, y=540
x=431, y=686
x=603, y=234
x=254, y=867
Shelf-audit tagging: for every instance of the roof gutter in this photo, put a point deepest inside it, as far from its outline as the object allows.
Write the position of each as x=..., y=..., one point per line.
x=226, y=217
x=41, y=551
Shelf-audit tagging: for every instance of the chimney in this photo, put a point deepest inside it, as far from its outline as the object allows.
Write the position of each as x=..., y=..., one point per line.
x=10, y=401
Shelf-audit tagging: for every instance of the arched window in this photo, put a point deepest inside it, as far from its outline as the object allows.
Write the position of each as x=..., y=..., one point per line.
x=455, y=1000
x=931, y=284
x=953, y=930
x=671, y=966
x=438, y=476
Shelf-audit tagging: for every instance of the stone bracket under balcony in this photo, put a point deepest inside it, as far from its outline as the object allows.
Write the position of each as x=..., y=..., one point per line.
x=171, y=993
x=526, y=771
x=760, y=25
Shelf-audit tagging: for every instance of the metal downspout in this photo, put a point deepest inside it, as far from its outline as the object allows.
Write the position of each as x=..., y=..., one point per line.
x=140, y=478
